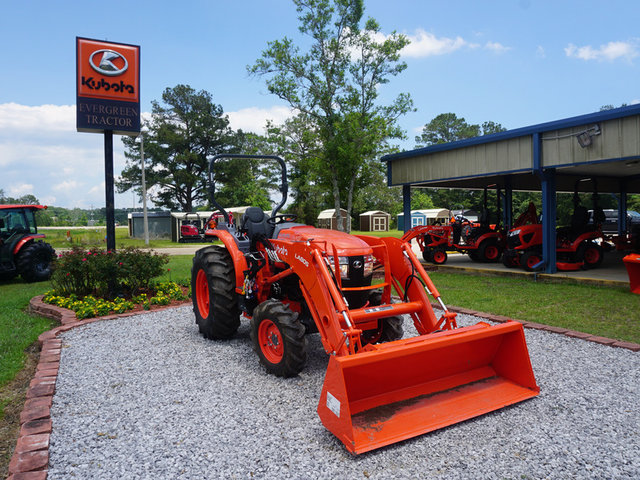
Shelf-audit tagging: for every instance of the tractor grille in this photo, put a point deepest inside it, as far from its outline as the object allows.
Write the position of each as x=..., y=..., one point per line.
x=513, y=241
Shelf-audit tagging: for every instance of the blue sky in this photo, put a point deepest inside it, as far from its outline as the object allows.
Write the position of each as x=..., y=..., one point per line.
x=518, y=63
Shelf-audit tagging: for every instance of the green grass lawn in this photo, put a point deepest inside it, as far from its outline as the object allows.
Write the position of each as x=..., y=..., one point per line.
x=18, y=329
x=95, y=237
x=612, y=312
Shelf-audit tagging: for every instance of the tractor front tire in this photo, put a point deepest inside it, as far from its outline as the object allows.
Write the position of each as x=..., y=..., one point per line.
x=213, y=292
x=34, y=261
x=278, y=339
x=529, y=260
x=389, y=328
x=510, y=259
x=439, y=256
x=591, y=254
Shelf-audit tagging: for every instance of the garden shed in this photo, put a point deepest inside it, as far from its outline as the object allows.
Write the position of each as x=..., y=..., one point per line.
x=428, y=216
x=159, y=224
x=328, y=219
x=375, y=221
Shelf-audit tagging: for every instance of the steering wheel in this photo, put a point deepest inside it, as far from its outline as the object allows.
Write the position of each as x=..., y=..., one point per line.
x=278, y=219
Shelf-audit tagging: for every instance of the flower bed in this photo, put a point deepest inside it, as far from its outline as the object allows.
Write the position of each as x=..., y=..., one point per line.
x=95, y=282
x=90, y=306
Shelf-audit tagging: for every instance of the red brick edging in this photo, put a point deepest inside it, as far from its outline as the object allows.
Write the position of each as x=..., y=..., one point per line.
x=31, y=456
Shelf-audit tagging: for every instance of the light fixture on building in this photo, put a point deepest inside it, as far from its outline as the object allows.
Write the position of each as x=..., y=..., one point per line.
x=585, y=137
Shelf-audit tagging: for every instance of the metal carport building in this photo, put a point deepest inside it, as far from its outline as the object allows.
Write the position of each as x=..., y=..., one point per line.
x=548, y=157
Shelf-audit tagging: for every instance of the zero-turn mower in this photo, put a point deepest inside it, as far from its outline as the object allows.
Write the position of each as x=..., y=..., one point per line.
x=577, y=245
x=288, y=279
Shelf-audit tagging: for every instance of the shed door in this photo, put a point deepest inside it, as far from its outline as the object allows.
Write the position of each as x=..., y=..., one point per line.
x=417, y=221
x=379, y=224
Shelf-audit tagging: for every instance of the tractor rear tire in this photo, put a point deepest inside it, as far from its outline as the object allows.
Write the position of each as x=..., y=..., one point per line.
x=389, y=328
x=34, y=261
x=489, y=251
x=213, y=292
x=591, y=254
x=278, y=339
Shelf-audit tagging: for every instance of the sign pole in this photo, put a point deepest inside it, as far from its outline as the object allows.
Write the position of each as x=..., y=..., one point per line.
x=108, y=187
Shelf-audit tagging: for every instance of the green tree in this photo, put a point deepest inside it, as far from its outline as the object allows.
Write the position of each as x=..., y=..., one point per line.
x=420, y=199
x=184, y=132
x=297, y=141
x=447, y=127
x=335, y=86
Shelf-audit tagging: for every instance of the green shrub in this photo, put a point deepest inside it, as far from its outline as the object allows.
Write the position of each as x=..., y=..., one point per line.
x=104, y=273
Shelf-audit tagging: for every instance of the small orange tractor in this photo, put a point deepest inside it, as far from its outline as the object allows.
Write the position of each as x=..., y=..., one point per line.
x=22, y=250
x=480, y=240
x=577, y=245
x=288, y=279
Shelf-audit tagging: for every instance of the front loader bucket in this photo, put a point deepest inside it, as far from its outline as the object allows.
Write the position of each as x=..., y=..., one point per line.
x=413, y=386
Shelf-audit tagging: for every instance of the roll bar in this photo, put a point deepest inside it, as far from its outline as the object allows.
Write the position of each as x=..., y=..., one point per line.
x=284, y=186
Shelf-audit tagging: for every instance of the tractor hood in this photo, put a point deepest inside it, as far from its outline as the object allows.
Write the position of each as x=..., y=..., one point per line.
x=345, y=244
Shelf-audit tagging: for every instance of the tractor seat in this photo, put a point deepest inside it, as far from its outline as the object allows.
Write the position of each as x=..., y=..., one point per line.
x=255, y=224
x=579, y=221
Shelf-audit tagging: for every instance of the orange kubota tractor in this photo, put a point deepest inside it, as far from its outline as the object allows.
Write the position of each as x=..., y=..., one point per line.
x=289, y=279
x=480, y=240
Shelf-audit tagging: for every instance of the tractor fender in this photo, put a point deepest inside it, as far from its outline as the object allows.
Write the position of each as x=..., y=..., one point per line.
x=239, y=261
x=24, y=240
x=489, y=235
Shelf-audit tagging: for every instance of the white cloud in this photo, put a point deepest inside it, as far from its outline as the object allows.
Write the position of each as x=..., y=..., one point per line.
x=65, y=186
x=20, y=189
x=540, y=53
x=609, y=52
x=42, y=154
x=635, y=101
x=47, y=118
x=253, y=119
x=425, y=44
x=496, y=47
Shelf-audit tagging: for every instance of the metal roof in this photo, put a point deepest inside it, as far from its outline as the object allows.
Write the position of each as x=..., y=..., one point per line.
x=609, y=170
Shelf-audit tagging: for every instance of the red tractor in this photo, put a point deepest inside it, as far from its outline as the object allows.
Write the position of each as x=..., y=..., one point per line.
x=288, y=280
x=480, y=240
x=577, y=246
x=21, y=249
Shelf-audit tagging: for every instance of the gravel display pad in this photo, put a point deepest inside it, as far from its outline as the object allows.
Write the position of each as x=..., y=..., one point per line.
x=148, y=397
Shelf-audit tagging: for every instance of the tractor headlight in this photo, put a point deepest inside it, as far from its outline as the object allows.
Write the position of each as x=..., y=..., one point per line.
x=368, y=265
x=514, y=232
x=344, y=265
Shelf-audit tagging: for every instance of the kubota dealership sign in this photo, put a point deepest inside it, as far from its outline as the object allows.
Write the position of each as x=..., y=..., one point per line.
x=108, y=87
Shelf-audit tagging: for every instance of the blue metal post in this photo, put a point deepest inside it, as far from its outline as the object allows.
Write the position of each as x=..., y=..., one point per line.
x=406, y=206
x=622, y=209
x=508, y=203
x=549, y=208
